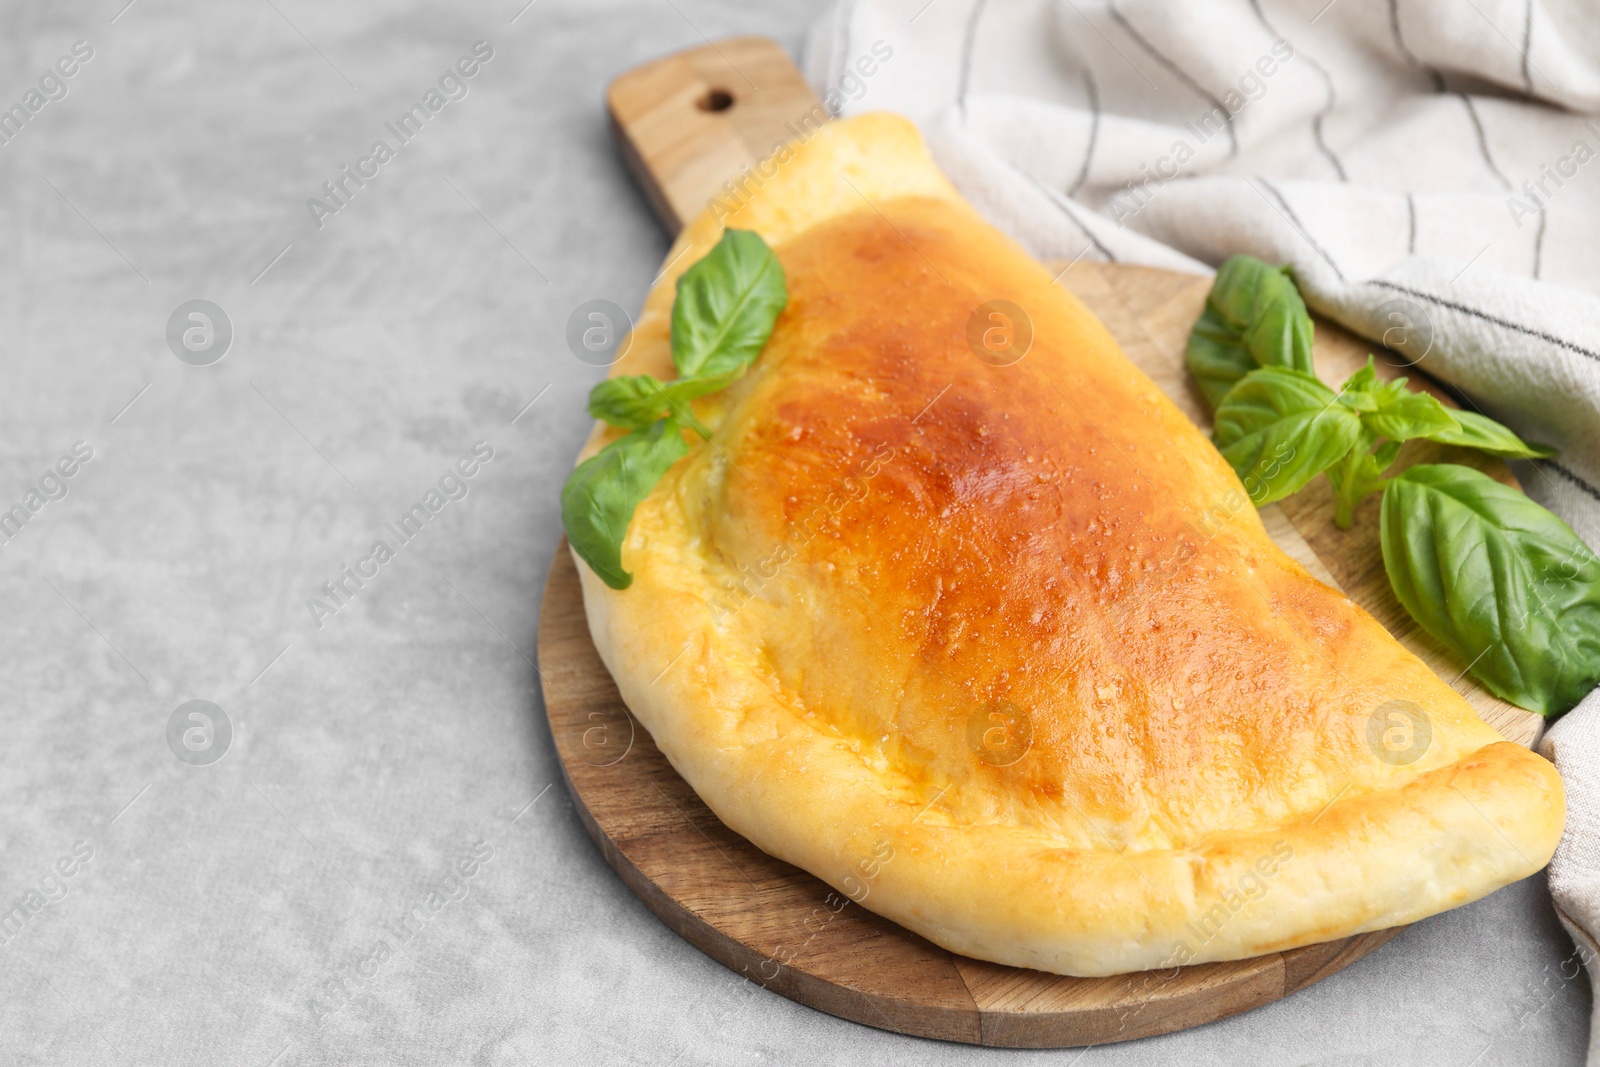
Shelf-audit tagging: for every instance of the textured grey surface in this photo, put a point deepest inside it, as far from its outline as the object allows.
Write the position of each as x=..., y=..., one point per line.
x=223, y=904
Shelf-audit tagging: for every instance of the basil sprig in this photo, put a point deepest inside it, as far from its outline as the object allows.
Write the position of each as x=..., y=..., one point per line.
x=1499, y=580
x=725, y=309
x=1506, y=585
x=1391, y=414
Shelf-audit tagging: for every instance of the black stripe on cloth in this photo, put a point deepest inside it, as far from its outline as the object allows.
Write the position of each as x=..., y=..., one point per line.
x=1178, y=72
x=1316, y=129
x=1405, y=51
x=1294, y=220
x=1327, y=83
x=1411, y=225
x=1571, y=477
x=1515, y=327
x=1065, y=207
x=967, y=41
x=1094, y=130
x=1483, y=141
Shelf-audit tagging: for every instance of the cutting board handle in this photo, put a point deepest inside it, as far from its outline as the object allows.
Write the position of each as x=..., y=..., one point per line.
x=689, y=122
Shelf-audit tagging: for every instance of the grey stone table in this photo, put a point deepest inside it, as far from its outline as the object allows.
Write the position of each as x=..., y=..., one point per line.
x=382, y=866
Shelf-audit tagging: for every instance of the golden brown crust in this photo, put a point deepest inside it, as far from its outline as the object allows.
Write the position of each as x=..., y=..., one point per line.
x=1017, y=629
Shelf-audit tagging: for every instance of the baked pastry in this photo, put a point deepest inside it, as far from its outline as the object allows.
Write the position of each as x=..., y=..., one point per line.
x=1000, y=649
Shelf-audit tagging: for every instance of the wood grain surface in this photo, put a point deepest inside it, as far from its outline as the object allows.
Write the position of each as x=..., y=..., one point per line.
x=693, y=120
x=680, y=126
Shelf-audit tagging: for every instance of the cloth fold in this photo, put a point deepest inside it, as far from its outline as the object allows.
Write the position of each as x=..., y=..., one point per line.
x=1431, y=170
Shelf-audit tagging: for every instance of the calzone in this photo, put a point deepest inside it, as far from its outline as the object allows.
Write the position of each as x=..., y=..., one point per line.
x=997, y=645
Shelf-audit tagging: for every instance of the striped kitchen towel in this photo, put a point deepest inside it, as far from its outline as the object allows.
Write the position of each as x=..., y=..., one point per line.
x=1430, y=168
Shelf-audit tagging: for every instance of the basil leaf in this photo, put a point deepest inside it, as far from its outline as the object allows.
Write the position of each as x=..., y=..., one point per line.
x=1390, y=410
x=1216, y=356
x=1357, y=391
x=1483, y=433
x=726, y=306
x=600, y=496
x=1405, y=415
x=633, y=401
x=1261, y=302
x=1400, y=414
x=1506, y=585
x=1359, y=473
x=1254, y=317
x=1280, y=428
x=1279, y=333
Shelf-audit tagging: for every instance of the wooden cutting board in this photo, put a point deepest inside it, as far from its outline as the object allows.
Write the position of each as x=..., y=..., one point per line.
x=686, y=124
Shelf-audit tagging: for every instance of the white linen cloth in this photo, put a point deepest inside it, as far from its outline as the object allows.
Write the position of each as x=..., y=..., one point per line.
x=1430, y=168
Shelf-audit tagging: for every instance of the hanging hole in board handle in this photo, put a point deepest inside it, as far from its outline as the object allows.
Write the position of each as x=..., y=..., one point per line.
x=715, y=100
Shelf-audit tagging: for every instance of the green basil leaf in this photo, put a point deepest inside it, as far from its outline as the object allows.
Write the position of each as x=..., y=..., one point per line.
x=1254, y=317
x=1483, y=433
x=1360, y=472
x=1357, y=391
x=726, y=306
x=1261, y=302
x=1280, y=428
x=600, y=496
x=1216, y=356
x=633, y=401
x=1390, y=410
x=1400, y=414
x=1506, y=585
x=1280, y=333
